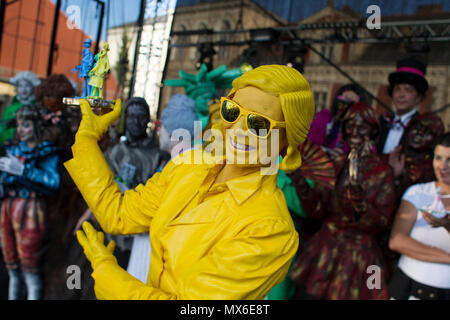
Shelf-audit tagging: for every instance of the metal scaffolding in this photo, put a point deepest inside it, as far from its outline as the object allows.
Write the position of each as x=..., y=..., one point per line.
x=408, y=32
x=327, y=32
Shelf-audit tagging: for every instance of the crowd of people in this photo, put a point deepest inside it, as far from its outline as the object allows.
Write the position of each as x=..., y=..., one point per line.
x=378, y=226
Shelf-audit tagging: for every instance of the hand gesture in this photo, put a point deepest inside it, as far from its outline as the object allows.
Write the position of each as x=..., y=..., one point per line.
x=93, y=244
x=397, y=161
x=367, y=147
x=436, y=222
x=11, y=165
x=92, y=127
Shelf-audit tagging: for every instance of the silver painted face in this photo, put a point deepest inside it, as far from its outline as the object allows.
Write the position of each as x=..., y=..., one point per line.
x=24, y=90
x=136, y=120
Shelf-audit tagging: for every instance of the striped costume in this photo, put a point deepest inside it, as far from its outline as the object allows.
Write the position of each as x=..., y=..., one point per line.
x=23, y=218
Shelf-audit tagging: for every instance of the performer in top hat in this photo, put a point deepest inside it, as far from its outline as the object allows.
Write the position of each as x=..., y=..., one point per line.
x=407, y=87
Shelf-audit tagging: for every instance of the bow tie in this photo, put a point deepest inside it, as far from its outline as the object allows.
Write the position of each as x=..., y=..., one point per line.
x=397, y=123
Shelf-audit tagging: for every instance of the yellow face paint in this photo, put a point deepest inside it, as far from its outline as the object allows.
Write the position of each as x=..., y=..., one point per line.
x=244, y=148
x=296, y=100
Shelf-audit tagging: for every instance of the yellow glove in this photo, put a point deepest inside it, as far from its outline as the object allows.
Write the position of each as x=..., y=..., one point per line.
x=92, y=127
x=93, y=245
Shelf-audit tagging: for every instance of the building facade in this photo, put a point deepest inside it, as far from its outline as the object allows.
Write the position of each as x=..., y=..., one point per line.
x=369, y=63
x=218, y=16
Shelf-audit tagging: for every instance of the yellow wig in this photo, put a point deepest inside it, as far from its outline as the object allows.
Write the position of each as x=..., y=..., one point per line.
x=296, y=99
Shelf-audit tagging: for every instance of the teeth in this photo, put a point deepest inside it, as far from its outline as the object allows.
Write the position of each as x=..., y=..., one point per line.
x=241, y=146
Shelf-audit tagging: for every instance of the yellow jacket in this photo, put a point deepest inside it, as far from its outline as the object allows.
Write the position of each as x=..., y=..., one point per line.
x=234, y=240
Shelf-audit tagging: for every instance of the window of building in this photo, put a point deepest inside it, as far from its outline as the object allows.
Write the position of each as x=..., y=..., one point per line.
x=327, y=51
x=330, y=52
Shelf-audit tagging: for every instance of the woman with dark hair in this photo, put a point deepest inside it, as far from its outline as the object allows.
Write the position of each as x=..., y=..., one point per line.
x=29, y=174
x=49, y=94
x=421, y=234
x=335, y=262
x=52, y=90
x=325, y=128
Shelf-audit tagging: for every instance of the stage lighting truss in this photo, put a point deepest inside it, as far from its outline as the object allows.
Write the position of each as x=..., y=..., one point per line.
x=324, y=32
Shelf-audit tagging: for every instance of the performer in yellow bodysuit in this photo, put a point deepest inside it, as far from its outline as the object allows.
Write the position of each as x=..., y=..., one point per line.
x=218, y=231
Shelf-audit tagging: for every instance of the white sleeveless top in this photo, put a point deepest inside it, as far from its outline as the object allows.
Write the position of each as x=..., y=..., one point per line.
x=429, y=273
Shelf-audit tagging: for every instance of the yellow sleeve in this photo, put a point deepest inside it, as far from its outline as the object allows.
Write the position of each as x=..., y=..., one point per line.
x=244, y=267
x=118, y=213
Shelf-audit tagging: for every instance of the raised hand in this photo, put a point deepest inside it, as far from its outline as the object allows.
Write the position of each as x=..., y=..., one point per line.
x=92, y=127
x=397, y=161
x=11, y=165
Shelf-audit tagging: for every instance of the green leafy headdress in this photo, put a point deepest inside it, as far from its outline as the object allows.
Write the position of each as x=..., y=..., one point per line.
x=203, y=86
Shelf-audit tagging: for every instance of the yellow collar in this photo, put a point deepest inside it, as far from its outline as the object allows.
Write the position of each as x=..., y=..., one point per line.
x=243, y=187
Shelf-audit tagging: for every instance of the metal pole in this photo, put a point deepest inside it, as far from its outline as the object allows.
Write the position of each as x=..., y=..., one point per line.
x=100, y=24
x=36, y=26
x=52, y=43
x=140, y=24
x=345, y=74
x=150, y=45
x=2, y=18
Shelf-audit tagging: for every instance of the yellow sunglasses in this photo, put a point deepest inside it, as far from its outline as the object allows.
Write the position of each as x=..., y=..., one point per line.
x=258, y=124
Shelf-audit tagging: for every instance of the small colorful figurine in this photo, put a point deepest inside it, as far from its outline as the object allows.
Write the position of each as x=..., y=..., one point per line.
x=85, y=66
x=94, y=77
x=98, y=72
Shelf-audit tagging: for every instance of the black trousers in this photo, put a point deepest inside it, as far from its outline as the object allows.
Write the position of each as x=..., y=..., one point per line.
x=402, y=287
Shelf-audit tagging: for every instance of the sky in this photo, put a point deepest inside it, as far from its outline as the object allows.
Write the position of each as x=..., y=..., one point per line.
x=119, y=12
